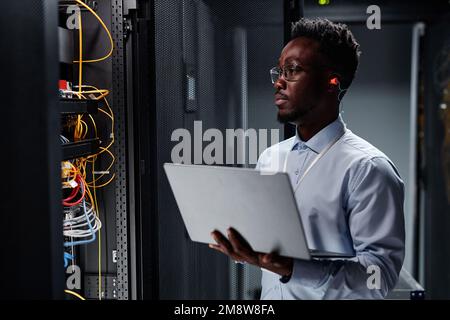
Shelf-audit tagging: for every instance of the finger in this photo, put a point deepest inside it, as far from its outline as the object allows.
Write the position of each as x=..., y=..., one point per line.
x=236, y=235
x=240, y=246
x=225, y=251
x=217, y=248
x=214, y=246
x=221, y=240
x=238, y=259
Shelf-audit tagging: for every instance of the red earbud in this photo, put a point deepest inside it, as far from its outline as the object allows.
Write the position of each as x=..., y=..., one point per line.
x=334, y=81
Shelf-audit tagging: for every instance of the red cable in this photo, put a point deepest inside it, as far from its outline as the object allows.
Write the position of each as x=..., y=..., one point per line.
x=73, y=193
x=74, y=190
x=71, y=204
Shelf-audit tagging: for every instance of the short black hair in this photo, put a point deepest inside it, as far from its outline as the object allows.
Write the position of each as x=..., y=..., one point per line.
x=337, y=43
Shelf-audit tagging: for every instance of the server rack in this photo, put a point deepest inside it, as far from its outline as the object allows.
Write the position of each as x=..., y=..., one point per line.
x=144, y=232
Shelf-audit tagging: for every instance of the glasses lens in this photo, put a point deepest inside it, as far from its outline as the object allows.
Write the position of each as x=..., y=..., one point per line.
x=291, y=73
x=274, y=74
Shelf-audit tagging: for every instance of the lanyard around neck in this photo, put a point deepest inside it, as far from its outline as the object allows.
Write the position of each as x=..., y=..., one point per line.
x=318, y=157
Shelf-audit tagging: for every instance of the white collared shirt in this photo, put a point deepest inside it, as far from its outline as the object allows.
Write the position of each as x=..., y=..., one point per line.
x=350, y=201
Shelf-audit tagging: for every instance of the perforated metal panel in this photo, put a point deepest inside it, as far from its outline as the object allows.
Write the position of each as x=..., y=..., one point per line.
x=201, y=74
x=169, y=115
x=118, y=83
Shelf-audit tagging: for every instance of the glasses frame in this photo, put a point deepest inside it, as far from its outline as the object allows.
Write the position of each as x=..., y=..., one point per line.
x=280, y=71
x=277, y=72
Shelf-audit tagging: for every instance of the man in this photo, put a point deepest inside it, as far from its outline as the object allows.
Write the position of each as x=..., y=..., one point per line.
x=349, y=194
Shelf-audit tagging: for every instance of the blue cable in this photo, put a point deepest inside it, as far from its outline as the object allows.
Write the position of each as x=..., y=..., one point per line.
x=74, y=243
x=67, y=257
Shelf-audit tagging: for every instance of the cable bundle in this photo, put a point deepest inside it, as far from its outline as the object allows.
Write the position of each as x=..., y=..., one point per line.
x=81, y=222
x=80, y=179
x=81, y=219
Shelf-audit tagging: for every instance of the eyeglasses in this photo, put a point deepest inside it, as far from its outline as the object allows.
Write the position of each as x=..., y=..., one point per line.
x=290, y=72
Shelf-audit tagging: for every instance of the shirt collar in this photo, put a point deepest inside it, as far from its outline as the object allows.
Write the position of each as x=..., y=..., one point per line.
x=321, y=139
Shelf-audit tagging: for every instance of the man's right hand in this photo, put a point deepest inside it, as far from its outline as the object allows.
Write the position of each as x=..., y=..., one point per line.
x=238, y=249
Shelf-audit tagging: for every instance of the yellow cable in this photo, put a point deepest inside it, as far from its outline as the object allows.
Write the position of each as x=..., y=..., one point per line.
x=99, y=261
x=99, y=237
x=95, y=126
x=67, y=173
x=95, y=91
x=102, y=92
x=107, y=169
x=92, y=87
x=81, y=130
x=80, y=66
x=112, y=126
x=104, y=149
x=79, y=95
x=75, y=294
x=106, y=183
x=82, y=166
x=98, y=215
x=85, y=129
x=104, y=27
x=102, y=95
x=112, y=129
x=110, y=116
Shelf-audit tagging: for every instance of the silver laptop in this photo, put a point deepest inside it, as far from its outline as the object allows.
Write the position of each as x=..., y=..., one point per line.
x=262, y=208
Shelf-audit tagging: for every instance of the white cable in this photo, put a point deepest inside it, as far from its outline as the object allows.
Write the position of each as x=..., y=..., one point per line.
x=64, y=139
x=75, y=227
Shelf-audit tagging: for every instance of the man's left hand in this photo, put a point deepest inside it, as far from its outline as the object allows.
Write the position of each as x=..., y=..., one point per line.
x=238, y=249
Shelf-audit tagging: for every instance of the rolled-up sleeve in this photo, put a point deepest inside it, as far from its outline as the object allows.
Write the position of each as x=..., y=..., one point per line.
x=376, y=223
